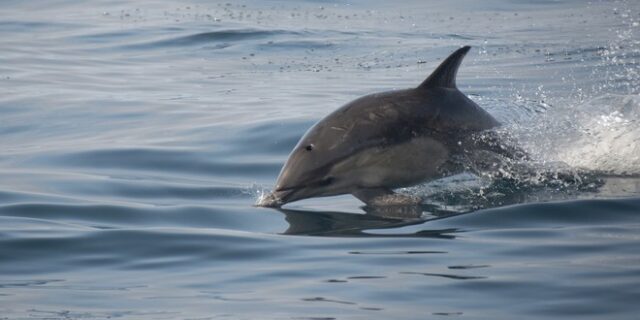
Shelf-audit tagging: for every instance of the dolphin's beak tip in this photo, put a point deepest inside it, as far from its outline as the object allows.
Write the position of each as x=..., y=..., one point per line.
x=270, y=200
x=269, y=205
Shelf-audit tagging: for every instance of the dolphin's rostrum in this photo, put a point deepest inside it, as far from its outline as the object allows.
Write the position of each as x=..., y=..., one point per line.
x=386, y=140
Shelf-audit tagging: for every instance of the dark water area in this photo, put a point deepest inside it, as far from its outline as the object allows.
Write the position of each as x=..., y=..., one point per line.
x=136, y=138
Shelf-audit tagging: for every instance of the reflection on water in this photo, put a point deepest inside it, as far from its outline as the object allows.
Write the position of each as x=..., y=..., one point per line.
x=339, y=224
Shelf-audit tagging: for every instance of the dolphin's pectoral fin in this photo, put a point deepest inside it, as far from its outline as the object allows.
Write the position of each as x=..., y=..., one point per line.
x=367, y=195
x=384, y=197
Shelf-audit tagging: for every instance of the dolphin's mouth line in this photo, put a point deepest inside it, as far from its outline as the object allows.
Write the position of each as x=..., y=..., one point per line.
x=318, y=183
x=289, y=188
x=283, y=196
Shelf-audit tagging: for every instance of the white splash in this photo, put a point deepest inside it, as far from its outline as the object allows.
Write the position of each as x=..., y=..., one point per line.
x=259, y=192
x=607, y=141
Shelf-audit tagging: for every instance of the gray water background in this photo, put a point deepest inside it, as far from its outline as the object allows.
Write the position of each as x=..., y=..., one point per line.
x=136, y=136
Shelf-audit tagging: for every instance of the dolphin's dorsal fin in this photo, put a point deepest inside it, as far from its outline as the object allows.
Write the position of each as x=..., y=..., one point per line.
x=445, y=75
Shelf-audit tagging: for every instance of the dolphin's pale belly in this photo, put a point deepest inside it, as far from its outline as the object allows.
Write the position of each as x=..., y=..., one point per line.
x=394, y=166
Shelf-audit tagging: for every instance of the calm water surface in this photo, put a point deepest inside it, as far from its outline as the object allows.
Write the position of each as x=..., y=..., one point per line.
x=136, y=137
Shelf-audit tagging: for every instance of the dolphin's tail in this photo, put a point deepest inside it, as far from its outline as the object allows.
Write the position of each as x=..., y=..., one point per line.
x=445, y=75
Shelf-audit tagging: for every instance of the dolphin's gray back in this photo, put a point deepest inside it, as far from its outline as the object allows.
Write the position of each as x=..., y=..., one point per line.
x=450, y=111
x=436, y=110
x=398, y=116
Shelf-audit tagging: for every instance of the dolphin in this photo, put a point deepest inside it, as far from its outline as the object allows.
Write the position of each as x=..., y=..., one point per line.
x=389, y=140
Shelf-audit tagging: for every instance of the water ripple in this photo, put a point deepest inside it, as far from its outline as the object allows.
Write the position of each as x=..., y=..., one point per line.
x=222, y=38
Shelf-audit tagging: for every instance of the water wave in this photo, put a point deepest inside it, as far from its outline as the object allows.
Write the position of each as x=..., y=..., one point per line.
x=220, y=38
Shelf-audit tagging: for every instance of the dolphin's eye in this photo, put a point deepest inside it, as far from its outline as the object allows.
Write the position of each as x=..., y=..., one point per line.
x=309, y=147
x=327, y=181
